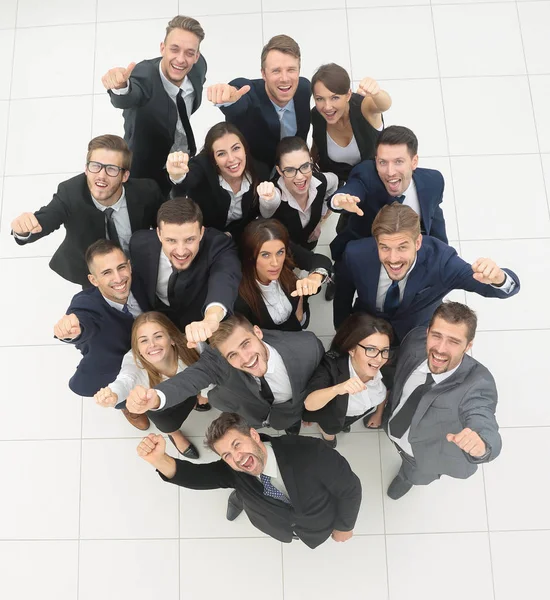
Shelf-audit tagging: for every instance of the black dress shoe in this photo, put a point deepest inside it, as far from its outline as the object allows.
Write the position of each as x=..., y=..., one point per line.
x=330, y=291
x=234, y=506
x=398, y=487
x=294, y=429
x=203, y=407
x=190, y=452
x=347, y=429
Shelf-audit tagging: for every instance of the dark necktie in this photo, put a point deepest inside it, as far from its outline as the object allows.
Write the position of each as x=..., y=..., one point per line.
x=172, y=286
x=399, y=199
x=392, y=301
x=126, y=310
x=271, y=491
x=182, y=110
x=110, y=225
x=403, y=419
x=265, y=390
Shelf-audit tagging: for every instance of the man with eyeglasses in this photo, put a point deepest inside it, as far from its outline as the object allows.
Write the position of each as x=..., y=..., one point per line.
x=99, y=203
x=441, y=411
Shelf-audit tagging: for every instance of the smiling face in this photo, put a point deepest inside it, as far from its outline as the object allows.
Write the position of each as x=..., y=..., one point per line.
x=242, y=452
x=104, y=188
x=230, y=156
x=395, y=167
x=179, y=51
x=244, y=350
x=397, y=252
x=270, y=261
x=281, y=73
x=112, y=274
x=330, y=105
x=154, y=344
x=446, y=345
x=180, y=243
x=298, y=185
x=367, y=367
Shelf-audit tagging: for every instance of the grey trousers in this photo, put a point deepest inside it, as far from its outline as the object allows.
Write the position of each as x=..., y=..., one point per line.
x=410, y=472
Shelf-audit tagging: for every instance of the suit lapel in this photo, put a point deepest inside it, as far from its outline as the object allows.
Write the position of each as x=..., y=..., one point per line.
x=302, y=110
x=414, y=282
x=407, y=364
x=372, y=268
x=423, y=200
x=287, y=474
x=152, y=257
x=135, y=209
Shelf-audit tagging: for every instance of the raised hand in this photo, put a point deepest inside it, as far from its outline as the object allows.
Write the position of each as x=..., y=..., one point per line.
x=26, y=223
x=200, y=331
x=141, y=399
x=347, y=203
x=368, y=87
x=117, y=78
x=375, y=420
x=152, y=448
x=341, y=536
x=468, y=441
x=308, y=286
x=106, y=397
x=266, y=191
x=487, y=271
x=177, y=165
x=352, y=386
x=67, y=328
x=222, y=93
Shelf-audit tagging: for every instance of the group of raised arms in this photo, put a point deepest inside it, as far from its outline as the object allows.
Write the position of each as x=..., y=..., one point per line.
x=197, y=262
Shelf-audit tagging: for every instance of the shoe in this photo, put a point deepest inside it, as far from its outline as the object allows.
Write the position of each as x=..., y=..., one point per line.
x=331, y=443
x=140, y=422
x=234, y=506
x=190, y=452
x=203, y=407
x=398, y=487
x=347, y=429
x=330, y=291
x=294, y=429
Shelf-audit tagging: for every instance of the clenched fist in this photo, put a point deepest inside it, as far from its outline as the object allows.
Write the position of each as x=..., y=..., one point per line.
x=67, y=328
x=200, y=331
x=352, y=386
x=368, y=87
x=222, y=93
x=106, y=397
x=26, y=223
x=177, y=165
x=468, y=441
x=140, y=400
x=117, y=78
x=152, y=448
x=308, y=286
x=266, y=190
x=487, y=271
x=347, y=203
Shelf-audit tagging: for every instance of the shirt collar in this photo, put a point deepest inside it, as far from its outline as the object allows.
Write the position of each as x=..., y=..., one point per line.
x=271, y=469
x=410, y=189
x=438, y=377
x=172, y=89
x=271, y=359
x=289, y=106
x=114, y=304
x=245, y=185
x=314, y=183
x=120, y=203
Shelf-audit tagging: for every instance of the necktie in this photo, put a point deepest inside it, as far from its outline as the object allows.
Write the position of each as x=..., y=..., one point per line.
x=126, y=310
x=392, y=301
x=271, y=491
x=172, y=286
x=182, y=110
x=403, y=419
x=265, y=390
x=110, y=225
x=400, y=199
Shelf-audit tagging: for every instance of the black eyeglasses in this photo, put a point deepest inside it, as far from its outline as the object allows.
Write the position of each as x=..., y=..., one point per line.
x=111, y=170
x=304, y=169
x=373, y=352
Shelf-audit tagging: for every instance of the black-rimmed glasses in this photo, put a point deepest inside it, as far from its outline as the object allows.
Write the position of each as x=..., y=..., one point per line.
x=373, y=352
x=304, y=169
x=111, y=170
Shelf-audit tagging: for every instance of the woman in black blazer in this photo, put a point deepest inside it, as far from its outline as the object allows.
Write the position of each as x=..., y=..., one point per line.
x=270, y=294
x=221, y=179
x=347, y=385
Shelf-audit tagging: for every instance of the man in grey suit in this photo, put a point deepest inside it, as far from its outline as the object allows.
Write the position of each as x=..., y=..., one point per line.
x=158, y=97
x=441, y=410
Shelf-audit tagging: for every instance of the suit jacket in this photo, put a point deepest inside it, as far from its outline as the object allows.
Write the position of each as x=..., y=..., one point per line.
x=467, y=398
x=72, y=207
x=237, y=391
x=325, y=493
x=150, y=117
x=438, y=271
x=255, y=116
x=364, y=183
x=104, y=340
x=202, y=185
x=213, y=276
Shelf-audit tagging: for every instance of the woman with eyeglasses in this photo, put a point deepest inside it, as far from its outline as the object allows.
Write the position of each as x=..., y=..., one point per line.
x=297, y=196
x=347, y=385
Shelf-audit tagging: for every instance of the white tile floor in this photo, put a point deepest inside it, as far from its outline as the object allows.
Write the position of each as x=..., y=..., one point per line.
x=81, y=517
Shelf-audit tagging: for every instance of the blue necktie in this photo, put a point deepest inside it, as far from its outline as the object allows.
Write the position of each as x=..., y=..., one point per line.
x=399, y=199
x=271, y=491
x=392, y=301
x=126, y=310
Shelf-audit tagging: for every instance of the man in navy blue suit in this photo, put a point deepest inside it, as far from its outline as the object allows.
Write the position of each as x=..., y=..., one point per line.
x=402, y=276
x=99, y=321
x=268, y=109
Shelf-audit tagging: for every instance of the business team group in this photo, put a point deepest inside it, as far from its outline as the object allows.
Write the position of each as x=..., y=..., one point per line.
x=197, y=267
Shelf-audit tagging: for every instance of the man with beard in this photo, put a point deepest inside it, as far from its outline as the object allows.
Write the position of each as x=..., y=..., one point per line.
x=99, y=321
x=99, y=203
x=441, y=410
x=291, y=487
x=402, y=276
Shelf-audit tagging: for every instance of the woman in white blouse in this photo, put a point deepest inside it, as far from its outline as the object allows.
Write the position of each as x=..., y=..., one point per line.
x=159, y=351
x=347, y=385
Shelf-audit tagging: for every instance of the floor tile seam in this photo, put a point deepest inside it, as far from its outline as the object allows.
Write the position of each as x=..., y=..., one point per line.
x=488, y=531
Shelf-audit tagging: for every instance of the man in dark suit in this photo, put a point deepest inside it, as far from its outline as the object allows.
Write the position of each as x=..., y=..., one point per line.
x=268, y=109
x=401, y=276
x=291, y=487
x=189, y=272
x=99, y=321
x=100, y=203
x=441, y=411
x=158, y=96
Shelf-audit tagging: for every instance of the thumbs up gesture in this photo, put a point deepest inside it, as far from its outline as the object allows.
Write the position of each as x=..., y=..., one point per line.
x=266, y=191
x=117, y=78
x=347, y=203
x=222, y=93
x=141, y=399
x=177, y=165
x=67, y=328
x=469, y=441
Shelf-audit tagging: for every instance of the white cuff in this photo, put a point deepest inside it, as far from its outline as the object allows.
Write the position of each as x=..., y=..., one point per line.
x=508, y=285
x=176, y=181
x=122, y=91
x=20, y=236
x=217, y=304
x=224, y=104
x=162, y=398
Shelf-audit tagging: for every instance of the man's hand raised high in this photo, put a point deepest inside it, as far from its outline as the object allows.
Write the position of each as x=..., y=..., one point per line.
x=141, y=399
x=223, y=93
x=117, y=78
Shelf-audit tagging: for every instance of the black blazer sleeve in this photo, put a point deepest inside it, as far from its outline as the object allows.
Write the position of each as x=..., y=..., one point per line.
x=308, y=260
x=209, y=476
x=225, y=273
x=141, y=89
x=322, y=377
x=194, y=178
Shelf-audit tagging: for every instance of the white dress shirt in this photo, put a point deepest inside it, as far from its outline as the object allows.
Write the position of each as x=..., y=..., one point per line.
x=235, y=211
x=121, y=219
x=362, y=401
x=277, y=304
x=416, y=378
x=277, y=377
x=384, y=282
x=411, y=199
x=131, y=302
x=271, y=469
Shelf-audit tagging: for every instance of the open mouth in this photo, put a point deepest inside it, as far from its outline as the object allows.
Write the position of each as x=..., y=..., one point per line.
x=439, y=360
x=248, y=463
x=178, y=69
x=155, y=352
x=119, y=287
x=394, y=185
x=101, y=184
x=253, y=363
x=181, y=259
x=373, y=366
x=300, y=185
x=395, y=268
x=284, y=88
x=234, y=168
x=330, y=114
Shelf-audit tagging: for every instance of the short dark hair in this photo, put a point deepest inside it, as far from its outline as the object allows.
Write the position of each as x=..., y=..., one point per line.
x=227, y=327
x=289, y=144
x=357, y=327
x=334, y=77
x=395, y=135
x=396, y=218
x=281, y=43
x=456, y=313
x=114, y=143
x=179, y=211
x=187, y=24
x=220, y=426
x=100, y=248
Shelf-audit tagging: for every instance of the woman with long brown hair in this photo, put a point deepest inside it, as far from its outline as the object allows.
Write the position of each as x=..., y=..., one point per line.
x=159, y=351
